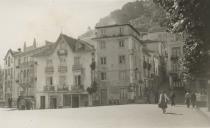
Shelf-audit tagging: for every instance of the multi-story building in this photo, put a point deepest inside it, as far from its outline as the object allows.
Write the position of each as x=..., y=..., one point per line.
x=9, y=77
x=55, y=75
x=64, y=73
x=175, y=70
x=119, y=63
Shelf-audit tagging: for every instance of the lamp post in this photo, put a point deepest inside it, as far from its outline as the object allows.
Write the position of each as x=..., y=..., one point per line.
x=208, y=90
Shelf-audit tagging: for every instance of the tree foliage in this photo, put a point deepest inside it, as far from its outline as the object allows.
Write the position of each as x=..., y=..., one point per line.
x=192, y=19
x=146, y=14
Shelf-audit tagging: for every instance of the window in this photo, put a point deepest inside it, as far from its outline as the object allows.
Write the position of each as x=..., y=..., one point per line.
x=121, y=43
x=122, y=75
x=103, y=60
x=176, y=51
x=122, y=59
x=102, y=44
x=123, y=93
x=49, y=81
x=77, y=79
x=103, y=31
x=62, y=80
x=76, y=60
x=19, y=61
x=121, y=30
x=62, y=60
x=103, y=75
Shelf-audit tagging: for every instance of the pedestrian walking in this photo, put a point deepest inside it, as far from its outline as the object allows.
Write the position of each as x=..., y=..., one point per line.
x=172, y=97
x=163, y=100
x=10, y=102
x=193, y=99
x=187, y=99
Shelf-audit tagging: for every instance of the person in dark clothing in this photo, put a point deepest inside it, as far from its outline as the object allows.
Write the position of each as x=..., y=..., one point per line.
x=172, y=97
x=193, y=99
x=10, y=102
x=187, y=99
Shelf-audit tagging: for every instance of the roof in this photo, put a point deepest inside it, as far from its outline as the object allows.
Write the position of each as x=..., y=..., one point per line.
x=12, y=52
x=70, y=41
x=117, y=25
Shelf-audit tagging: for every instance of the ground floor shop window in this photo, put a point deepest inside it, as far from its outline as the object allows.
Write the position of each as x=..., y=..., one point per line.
x=67, y=100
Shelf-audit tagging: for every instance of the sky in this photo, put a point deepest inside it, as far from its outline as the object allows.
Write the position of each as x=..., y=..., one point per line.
x=23, y=20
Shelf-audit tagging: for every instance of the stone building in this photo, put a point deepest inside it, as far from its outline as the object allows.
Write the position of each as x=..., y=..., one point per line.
x=119, y=63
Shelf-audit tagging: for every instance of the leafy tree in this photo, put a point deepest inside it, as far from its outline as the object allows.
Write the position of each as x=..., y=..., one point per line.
x=192, y=19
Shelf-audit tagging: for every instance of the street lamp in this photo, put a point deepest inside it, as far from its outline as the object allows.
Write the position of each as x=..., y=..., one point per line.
x=208, y=90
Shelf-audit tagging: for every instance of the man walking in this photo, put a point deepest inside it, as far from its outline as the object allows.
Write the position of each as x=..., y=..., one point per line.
x=193, y=99
x=187, y=99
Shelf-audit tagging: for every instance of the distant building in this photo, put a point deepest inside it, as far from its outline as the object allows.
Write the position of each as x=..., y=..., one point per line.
x=9, y=75
x=119, y=60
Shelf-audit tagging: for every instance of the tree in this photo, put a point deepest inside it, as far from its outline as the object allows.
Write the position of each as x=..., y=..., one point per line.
x=192, y=19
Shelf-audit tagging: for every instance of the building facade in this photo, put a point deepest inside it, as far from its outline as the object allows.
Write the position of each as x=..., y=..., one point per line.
x=54, y=75
x=119, y=63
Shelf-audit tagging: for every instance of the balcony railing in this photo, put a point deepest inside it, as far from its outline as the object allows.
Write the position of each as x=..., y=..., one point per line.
x=49, y=70
x=62, y=69
x=49, y=88
x=63, y=88
x=77, y=88
x=76, y=67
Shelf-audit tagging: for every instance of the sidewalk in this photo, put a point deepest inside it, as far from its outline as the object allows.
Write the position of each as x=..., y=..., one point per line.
x=204, y=111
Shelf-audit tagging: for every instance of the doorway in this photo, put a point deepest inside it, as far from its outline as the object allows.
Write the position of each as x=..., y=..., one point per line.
x=75, y=101
x=42, y=102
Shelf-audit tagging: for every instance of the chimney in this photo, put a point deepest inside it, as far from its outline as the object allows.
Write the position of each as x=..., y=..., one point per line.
x=19, y=49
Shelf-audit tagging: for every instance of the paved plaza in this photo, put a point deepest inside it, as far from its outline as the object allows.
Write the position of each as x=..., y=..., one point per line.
x=122, y=116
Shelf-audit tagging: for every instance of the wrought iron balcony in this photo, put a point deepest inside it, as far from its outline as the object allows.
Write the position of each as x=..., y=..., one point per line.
x=49, y=88
x=77, y=88
x=63, y=88
x=62, y=69
x=49, y=70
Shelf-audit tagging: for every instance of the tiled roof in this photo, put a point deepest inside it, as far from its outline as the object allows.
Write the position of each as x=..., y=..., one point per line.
x=73, y=44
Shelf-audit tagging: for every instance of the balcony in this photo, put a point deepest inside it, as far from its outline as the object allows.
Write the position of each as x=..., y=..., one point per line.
x=174, y=58
x=62, y=69
x=27, y=64
x=49, y=70
x=77, y=67
x=49, y=88
x=63, y=88
x=77, y=88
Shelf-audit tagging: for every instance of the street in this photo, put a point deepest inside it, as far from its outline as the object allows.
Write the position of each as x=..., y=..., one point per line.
x=122, y=116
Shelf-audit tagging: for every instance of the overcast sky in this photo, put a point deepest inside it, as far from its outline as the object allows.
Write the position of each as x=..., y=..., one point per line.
x=23, y=20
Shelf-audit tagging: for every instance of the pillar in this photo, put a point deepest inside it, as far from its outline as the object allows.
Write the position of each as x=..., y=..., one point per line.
x=208, y=94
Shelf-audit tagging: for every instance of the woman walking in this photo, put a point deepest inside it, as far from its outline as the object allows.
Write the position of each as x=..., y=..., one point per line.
x=163, y=100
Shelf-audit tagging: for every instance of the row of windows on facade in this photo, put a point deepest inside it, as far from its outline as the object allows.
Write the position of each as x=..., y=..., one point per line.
x=62, y=60
x=8, y=72
x=122, y=60
x=63, y=80
x=102, y=44
x=123, y=75
x=103, y=31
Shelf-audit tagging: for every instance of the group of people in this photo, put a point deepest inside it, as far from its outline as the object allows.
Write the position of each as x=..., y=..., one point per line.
x=190, y=98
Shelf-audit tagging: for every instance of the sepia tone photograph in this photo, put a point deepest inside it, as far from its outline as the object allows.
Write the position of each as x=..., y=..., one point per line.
x=105, y=64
